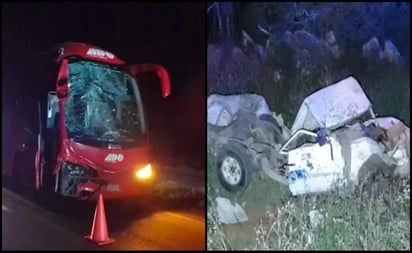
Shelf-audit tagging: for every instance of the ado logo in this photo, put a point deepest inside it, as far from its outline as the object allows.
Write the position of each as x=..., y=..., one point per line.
x=100, y=53
x=112, y=158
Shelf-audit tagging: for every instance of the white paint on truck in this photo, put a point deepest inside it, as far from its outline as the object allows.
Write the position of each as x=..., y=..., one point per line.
x=315, y=168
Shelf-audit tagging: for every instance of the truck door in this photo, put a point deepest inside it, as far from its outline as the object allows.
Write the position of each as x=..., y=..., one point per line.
x=313, y=166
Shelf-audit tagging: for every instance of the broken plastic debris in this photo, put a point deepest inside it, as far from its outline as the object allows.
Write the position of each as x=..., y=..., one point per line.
x=229, y=213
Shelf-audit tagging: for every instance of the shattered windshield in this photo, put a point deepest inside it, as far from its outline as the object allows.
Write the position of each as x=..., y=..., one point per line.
x=103, y=104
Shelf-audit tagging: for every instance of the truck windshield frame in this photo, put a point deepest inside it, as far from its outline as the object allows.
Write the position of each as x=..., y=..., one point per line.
x=103, y=105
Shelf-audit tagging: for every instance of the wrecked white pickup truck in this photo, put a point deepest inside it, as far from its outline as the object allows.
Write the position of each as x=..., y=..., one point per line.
x=336, y=141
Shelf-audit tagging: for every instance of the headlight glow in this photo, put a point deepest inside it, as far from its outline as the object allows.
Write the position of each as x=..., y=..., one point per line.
x=145, y=172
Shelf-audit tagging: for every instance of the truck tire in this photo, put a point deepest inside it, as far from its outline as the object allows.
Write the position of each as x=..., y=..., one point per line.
x=233, y=167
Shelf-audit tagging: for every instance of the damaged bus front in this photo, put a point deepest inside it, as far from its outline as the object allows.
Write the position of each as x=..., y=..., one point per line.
x=93, y=136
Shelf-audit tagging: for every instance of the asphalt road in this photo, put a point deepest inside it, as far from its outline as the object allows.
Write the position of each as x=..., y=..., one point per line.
x=37, y=223
x=26, y=228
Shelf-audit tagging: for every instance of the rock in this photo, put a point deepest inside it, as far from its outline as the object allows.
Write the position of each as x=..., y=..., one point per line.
x=391, y=53
x=228, y=213
x=316, y=46
x=372, y=49
x=229, y=69
x=308, y=49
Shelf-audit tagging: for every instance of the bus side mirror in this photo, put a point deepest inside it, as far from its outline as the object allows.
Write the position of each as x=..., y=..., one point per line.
x=62, y=87
x=161, y=73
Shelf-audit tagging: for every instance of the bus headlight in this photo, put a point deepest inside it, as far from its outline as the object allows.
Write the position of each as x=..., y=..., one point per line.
x=145, y=172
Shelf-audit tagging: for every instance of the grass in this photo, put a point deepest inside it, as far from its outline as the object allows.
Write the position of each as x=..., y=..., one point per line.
x=278, y=221
x=180, y=195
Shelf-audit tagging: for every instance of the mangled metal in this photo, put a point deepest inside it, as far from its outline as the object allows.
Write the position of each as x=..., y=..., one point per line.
x=396, y=139
x=222, y=109
x=333, y=106
x=336, y=141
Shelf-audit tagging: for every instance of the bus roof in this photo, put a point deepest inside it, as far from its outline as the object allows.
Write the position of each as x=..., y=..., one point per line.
x=88, y=52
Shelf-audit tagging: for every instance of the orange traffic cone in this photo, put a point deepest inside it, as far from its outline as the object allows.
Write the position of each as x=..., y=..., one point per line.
x=99, y=232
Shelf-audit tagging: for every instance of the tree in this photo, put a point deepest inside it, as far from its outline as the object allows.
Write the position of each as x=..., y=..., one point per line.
x=221, y=19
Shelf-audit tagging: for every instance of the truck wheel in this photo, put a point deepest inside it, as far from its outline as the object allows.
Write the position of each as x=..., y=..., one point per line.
x=233, y=167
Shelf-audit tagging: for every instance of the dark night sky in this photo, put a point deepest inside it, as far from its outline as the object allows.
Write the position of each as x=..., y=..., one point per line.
x=171, y=34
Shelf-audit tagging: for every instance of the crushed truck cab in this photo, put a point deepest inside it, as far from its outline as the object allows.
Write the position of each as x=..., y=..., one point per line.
x=335, y=142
